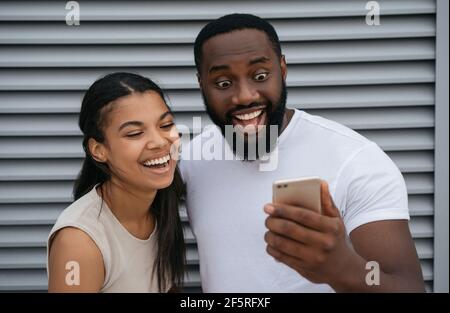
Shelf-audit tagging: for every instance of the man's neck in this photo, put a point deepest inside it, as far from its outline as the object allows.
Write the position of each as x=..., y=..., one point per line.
x=288, y=114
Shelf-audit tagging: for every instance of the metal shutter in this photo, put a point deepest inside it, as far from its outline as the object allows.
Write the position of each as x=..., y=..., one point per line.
x=379, y=80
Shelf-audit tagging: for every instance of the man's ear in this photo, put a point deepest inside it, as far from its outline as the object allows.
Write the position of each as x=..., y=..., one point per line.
x=97, y=150
x=199, y=80
x=283, y=65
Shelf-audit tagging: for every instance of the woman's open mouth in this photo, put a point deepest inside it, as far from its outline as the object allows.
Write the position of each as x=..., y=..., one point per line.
x=158, y=165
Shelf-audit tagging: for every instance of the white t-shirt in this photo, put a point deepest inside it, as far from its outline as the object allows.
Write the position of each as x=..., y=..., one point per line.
x=225, y=201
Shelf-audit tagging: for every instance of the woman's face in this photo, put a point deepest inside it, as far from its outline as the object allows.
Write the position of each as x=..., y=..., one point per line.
x=141, y=141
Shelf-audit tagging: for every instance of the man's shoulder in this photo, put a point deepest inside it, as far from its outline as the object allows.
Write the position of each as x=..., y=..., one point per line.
x=191, y=157
x=325, y=130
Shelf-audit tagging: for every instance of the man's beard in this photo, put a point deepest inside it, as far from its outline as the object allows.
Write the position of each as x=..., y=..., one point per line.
x=267, y=133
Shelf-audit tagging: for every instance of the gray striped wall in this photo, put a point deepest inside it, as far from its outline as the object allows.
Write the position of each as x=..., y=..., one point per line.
x=378, y=80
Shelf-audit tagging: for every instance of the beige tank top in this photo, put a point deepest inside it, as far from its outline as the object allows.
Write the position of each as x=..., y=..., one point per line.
x=128, y=260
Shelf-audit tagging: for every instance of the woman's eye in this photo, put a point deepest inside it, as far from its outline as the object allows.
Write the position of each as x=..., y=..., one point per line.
x=133, y=134
x=261, y=76
x=223, y=84
x=168, y=125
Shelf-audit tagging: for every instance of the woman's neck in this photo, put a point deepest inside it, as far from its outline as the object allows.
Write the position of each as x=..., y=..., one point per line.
x=130, y=206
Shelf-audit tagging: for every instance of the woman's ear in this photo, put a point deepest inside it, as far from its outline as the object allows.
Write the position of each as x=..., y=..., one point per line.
x=97, y=150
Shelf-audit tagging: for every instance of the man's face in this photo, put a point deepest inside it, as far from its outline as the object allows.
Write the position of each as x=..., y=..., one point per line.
x=243, y=82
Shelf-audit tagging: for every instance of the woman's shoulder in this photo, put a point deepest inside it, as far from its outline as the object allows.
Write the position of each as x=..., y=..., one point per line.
x=72, y=250
x=88, y=206
x=80, y=220
x=77, y=240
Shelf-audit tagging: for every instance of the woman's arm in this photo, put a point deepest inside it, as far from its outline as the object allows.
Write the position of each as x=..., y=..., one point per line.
x=75, y=263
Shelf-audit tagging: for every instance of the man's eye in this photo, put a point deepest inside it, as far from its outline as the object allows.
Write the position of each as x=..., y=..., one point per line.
x=261, y=76
x=223, y=84
x=135, y=134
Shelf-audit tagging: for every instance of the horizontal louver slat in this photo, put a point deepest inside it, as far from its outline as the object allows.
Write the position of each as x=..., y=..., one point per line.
x=178, y=10
x=181, y=55
x=168, y=32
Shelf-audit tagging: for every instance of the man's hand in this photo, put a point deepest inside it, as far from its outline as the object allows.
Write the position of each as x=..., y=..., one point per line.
x=314, y=245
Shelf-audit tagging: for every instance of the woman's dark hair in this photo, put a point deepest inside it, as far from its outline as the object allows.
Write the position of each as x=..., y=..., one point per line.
x=170, y=260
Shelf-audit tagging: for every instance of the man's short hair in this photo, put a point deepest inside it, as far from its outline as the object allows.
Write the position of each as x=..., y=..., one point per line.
x=233, y=22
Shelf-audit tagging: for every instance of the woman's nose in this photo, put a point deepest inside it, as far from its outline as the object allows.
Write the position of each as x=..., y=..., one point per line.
x=156, y=141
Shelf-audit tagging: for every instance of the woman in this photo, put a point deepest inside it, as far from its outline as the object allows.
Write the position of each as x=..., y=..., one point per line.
x=123, y=233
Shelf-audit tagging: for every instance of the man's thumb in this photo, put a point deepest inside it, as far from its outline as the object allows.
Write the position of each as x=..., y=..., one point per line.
x=328, y=206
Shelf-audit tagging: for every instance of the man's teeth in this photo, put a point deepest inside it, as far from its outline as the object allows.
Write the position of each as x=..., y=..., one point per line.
x=249, y=116
x=157, y=161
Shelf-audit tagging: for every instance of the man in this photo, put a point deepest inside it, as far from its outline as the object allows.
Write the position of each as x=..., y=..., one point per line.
x=247, y=244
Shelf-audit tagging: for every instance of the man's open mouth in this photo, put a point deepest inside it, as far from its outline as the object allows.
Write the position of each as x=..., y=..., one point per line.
x=249, y=119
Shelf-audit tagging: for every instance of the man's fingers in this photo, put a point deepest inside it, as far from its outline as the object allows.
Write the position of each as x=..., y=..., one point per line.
x=288, y=246
x=293, y=230
x=290, y=261
x=302, y=216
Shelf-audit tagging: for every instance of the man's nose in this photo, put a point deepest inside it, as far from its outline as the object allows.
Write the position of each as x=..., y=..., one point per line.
x=246, y=94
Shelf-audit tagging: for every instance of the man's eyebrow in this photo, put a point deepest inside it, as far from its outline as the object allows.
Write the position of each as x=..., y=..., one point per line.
x=262, y=59
x=217, y=68
x=130, y=123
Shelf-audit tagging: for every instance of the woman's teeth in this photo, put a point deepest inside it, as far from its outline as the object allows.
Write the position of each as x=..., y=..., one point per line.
x=249, y=116
x=158, y=161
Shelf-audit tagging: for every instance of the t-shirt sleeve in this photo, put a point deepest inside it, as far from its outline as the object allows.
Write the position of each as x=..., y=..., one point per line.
x=373, y=188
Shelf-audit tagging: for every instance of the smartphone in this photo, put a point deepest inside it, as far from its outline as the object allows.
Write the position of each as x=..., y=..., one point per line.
x=303, y=192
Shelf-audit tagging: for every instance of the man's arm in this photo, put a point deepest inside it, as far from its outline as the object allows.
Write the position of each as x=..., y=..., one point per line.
x=316, y=246
x=390, y=244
